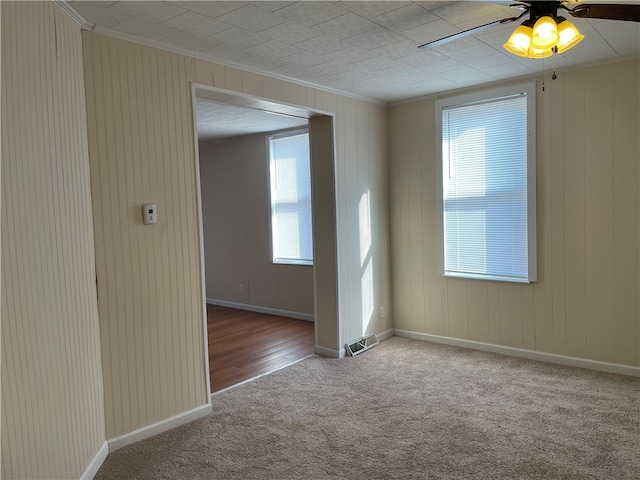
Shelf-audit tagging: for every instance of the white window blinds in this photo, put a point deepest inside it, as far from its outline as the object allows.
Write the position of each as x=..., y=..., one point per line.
x=292, y=240
x=487, y=216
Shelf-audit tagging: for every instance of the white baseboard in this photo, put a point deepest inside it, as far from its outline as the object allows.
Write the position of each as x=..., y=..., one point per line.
x=259, y=309
x=332, y=353
x=96, y=463
x=329, y=352
x=159, y=427
x=522, y=353
x=385, y=335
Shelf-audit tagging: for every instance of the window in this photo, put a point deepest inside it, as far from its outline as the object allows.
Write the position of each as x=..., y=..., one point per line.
x=290, y=182
x=486, y=187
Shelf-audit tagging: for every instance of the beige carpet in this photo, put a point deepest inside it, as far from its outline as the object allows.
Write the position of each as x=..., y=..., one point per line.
x=406, y=409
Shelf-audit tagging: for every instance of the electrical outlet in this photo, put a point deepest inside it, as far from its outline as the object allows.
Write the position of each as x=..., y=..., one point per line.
x=242, y=288
x=381, y=312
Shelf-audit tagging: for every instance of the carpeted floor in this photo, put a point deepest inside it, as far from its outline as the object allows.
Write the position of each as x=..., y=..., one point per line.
x=405, y=409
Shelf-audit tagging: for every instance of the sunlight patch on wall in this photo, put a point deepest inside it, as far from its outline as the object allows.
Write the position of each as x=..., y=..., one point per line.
x=365, y=227
x=366, y=279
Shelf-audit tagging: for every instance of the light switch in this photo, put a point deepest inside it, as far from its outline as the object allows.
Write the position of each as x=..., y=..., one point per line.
x=149, y=214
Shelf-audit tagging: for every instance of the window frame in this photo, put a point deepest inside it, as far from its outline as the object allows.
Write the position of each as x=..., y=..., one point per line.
x=529, y=89
x=268, y=138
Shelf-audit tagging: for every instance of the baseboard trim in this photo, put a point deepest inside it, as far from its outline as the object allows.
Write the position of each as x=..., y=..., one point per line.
x=387, y=334
x=329, y=352
x=333, y=353
x=96, y=462
x=522, y=353
x=159, y=427
x=259, y=309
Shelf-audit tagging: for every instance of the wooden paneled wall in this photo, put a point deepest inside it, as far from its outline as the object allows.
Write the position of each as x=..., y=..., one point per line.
x=141, y=145
x=363, y=224
x=586, y=301
x=52, y=397
x=141, y=150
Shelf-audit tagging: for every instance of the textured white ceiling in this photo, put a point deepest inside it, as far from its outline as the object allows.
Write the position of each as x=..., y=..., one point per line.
x=218, y=120
x=366, y=48
x=222, y=115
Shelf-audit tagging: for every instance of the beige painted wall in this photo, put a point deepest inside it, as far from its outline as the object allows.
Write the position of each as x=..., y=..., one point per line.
x=52, y=408
x=585, y=303
x=141, y=145
x=323, y=206
x=1, y=155
x=362, y=192
x=234, y=180
x=141, y=150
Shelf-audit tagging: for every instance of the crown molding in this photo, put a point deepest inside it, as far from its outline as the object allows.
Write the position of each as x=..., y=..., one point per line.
x=544, y=74
x=75, y=16
x=173, y=49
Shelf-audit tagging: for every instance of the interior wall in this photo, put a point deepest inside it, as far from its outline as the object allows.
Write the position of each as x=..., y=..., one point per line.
x=141, y=150
x=52, y=395
x=585, y=303
x=323, y=205
x=1, y=155
x=363, y=227
x=234, y=178
x=141, y=145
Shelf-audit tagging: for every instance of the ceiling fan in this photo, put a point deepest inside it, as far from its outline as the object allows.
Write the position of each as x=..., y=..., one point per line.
x=545, y=32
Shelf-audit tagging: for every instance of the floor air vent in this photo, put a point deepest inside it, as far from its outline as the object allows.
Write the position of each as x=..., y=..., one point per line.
x=361, y=345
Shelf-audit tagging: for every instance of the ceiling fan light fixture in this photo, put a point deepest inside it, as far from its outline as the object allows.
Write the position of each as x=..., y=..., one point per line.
x=545, y=33
x=569, y=35
x=520, y=41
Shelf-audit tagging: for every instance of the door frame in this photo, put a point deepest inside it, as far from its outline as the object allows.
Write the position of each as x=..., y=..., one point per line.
x=326, y=278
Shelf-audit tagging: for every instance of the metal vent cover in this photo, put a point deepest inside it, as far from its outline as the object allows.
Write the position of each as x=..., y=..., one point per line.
x=361, y=345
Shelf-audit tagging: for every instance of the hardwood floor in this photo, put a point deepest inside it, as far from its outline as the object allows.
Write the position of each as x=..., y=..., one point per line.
x=245, y=344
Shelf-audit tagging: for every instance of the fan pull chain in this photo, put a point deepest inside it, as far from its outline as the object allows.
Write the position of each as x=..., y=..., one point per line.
x=544, y=71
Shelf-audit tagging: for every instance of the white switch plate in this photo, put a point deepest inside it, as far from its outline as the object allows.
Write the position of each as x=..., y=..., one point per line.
x=149, y=214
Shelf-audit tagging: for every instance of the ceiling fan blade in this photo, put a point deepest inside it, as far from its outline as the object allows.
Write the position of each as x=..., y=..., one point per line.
x=466, y=33
x=609, y=11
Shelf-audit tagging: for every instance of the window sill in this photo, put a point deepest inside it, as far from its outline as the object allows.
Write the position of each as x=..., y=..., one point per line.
x=479, y=276
x=292, y=262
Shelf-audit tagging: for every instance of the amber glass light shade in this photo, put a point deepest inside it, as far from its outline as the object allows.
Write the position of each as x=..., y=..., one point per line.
x=539, y=52
x=520, y=41
x=569, y=35
x=545, y=33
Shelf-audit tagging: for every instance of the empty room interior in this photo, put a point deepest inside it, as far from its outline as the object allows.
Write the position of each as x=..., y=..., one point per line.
x=470, y=181
x=260, y=298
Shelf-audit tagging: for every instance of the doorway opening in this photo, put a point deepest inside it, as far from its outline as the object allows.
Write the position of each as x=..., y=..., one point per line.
x=260, y=311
